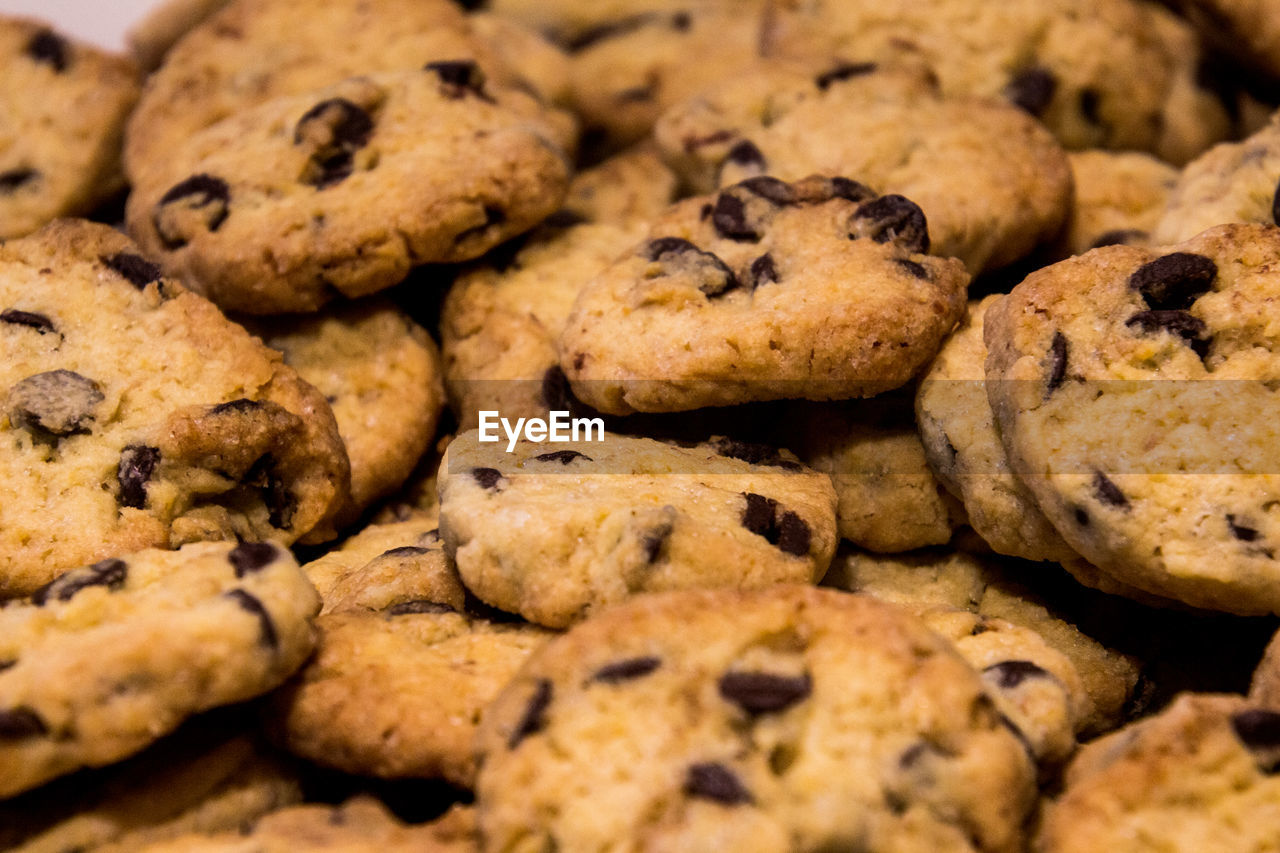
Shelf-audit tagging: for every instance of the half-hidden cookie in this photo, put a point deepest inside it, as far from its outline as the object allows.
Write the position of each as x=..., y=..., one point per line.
x=160, y=29
x=342, y=190
x=818, y=289
x=106, y=659
x=64, y=105
x=556, y=531
x=992, y=182
x=380, y=372
x=1132, y=390
x=632, y=186
x=135, y=415
x=791, y=718
x=1119, y=198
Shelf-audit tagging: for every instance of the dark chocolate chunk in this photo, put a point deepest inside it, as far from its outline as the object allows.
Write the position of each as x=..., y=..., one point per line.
x=713, y=781
x=654, y=250
x=487, y=477
x=458, y=78
x=555, y=389
x=894, y=219
x=12, y=179
x=54, y=404
x=1257, y=728
x=137, y=464
x=626, y=670
x=720, y=279
x=790, y=533
x=848, y=190
x=1174, y=281
x=564, y=457
x=1175, y=322
x=794, y=535
x=138, y=270
x=1081, y=517
x=335, y=129
x=758, y=517
x=912, y=267
x=50, y=48
x=1031, y=89
x=206, y=193
x=609, y=30
x=534, y=718
x=843, y=71
x=653, y=540
x=1243, y=532
x=419, y=605
x=1090, y=105
x=762, y=271
x=729, y=216
x=1275, y=205
x=251, y=604
x=30, y=319
x=249, y=557
x=110, y=573
x=764, y=692
x=21, y=723
x=768, y=188
x=745, y=153
x=1011, y=673
x=1108, y=492
x=1057, y=363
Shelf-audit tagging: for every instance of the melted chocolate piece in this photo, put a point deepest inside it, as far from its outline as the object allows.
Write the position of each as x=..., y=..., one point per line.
x=1032, y=89
x=50, y=48
x=459, y=78
x=1011, y=673
x=14, y=178
x=136, y=269
x=250, y=603
x=713, y=781
x=54, y=404
x=762, y=271
x=336, y=129
x=487, y=477
x=764, y=692
x=137, y=464
x=1057, y=363
x=206, y=193
x=746, y=153
x=626, y=670
x=844, y=71
x=30, y=319
x=895, y=219
x=1243, y=532
x=564, y=457
x=654, y=539
x=534, y=718
x=1175, y=322
x=1108, y=492
x=250, y=557
x=753, y=452
x=111, y=573
x=21, y=723
x=1174, y=281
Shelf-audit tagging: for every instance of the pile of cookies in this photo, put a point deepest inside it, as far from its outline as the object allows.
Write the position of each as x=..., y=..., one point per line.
x=763, y=425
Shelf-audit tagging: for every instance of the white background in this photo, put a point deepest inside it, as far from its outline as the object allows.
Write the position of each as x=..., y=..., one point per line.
x=103, y=22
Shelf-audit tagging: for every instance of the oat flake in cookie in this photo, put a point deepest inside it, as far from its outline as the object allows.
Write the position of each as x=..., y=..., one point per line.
x=105, y=659
x=1134, y=393
x=775, y=720
x=818, y=289
x=133, y=414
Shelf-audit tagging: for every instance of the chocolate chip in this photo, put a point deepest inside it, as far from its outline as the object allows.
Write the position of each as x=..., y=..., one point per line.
x=50, y=48
x=753, y=452
x=762, y=271
x=137, y=464
x=1081, y=517
x=1090, y=104
x=419, y=605
x=602, y=32
x=729, y=216
x=54, y=404
x=1032, y=89
x=250, y=557
x=681, y=22
x=1057, y=363
x=794, y=535
x=713, y=781
x=12, y=179
x=111, y=573
x=758, y=517
x=1108, y=492
x=1119, y=237
x=764, y=692
x=768, y=188
x=555, y=389
x=1243, y=532
x=458, y=78
x=1174, y=281
x=487, y=477
x=654, y=250
x=240, y=404
x=626, y=670
x=1257, y=729
x=335, y=129
x=534, y=718
x=653, y=540
x=30, y=319
x=894, y=219
x=1178, y=323
x=405, y=551
x=564, y=457
x=1011, y=673
x=719, y=279
x=1275, y=206
x=746, y=153
x=843, y=72
x=138, y=270
x=251, y=604
x=207, y=194
x=21, y=723
x=7, y=664
x=280, y=502
x=916, y=269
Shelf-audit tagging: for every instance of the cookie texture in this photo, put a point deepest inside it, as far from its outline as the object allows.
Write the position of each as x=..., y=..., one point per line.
x=381, y=374
x=64, y=105
x=271, y=210
x=802, y=719
x=1166, y=485
x=555, y=532
x=135, y=415
x=817, y=289
x=633, y=185
x=992, y=182
x=161, y=28
x=1119, y=198
x=105, y=659
x=1197, y=776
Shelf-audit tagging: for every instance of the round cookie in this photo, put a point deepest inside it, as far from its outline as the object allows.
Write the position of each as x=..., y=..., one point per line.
x=135, y=415
x=1199, y=776
x=341, y=191
x=632, y=186
x=992, y=182
x=64, y=105
x=1167, y=485
x=380, y=372
x=105, y=659
x=255, y=51
x=887, y=498
x=1119, y=198
x=962, y=444
x=556, y=532
x=766, y=290
x=1232, y=182
x=785, y=719
x=1099, y=74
